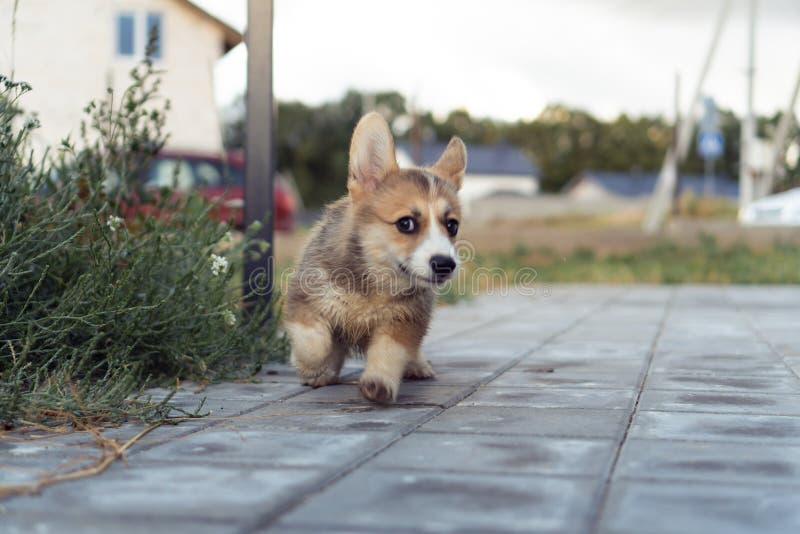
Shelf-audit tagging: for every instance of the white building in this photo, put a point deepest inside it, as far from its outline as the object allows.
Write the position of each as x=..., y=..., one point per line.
x=491, y=169
x=71, y=51
x=782, y=209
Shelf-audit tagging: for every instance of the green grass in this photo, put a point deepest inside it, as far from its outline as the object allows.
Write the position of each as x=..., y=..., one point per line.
x=663, y=263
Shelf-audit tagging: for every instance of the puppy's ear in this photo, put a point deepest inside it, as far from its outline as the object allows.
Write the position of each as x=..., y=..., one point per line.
x=452, y=163
x=371, y=154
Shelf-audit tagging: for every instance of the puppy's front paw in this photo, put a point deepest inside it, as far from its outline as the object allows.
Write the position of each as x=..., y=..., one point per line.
x=377, y=389
x=419, y=370
x=325, y=379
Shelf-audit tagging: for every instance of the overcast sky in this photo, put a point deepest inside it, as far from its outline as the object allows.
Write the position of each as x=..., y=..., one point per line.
x=507, y=59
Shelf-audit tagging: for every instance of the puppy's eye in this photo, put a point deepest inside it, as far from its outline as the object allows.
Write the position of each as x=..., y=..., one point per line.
x=452, y=227
x=406, y=225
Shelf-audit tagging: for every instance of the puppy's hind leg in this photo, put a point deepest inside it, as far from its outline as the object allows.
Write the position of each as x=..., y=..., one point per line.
x=316, y=355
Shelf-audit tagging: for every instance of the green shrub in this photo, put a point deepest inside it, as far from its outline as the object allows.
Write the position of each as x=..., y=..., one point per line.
x=104, y=292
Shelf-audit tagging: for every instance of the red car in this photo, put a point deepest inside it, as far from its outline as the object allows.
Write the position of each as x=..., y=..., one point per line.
x=214, y=178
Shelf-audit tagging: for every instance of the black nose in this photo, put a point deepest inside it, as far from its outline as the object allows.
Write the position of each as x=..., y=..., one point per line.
x=442, y=266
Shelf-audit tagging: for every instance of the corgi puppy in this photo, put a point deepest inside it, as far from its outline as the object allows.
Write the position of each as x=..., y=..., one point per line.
x=365, y=281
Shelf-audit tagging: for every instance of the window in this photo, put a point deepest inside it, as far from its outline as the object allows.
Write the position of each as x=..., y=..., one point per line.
x=134, y=31
x=168, y=172
x=208, y=174
x=154, y=30
x=125, y=35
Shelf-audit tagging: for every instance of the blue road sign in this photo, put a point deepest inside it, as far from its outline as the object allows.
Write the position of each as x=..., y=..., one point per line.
x=710, y=144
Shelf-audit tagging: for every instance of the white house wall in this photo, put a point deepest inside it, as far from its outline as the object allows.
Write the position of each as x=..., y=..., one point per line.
x=476, y=186
x=67, y=50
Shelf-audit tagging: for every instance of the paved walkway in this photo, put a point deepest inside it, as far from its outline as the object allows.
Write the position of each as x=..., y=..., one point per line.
x=594, y=409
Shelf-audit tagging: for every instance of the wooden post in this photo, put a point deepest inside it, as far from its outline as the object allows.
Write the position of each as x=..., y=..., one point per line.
x=259, y=146
x=777, y=164
x=660, y=201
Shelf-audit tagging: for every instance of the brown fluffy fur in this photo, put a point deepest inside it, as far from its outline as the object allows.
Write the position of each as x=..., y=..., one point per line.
x=349, y=295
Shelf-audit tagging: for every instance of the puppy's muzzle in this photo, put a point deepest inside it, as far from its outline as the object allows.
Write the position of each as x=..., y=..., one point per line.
x=442, y=267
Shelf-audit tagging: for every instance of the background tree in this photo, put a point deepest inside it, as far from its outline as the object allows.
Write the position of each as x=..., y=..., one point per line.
x=313, y=141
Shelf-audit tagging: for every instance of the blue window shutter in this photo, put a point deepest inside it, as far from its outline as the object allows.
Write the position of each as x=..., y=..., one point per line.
x=154, y=25
x=125, y=35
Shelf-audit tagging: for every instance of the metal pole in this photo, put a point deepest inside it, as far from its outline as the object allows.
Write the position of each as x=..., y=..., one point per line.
x=673, y=162
x=668, y=177
x=746, y=186
x=708, y=182
x=259, y=147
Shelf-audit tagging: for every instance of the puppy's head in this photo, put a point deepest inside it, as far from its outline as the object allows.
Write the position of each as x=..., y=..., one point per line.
x=406, y=219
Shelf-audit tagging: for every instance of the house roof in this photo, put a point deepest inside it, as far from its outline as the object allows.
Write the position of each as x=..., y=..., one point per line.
x=616, y=183
x=642, y=184
x=502, y=158
x=231, y=35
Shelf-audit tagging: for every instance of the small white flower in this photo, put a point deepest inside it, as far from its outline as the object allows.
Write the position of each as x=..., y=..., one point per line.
x=114, y=223
x=228, y=237
x=218, y=265
x=230, y=318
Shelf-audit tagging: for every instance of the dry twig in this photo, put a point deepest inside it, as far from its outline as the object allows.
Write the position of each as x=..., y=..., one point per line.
x=111, y=451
